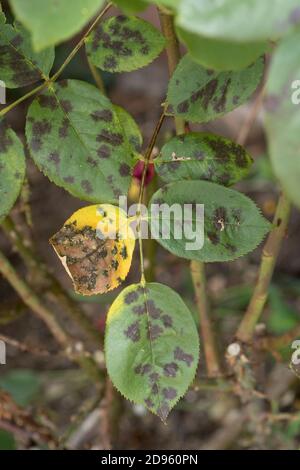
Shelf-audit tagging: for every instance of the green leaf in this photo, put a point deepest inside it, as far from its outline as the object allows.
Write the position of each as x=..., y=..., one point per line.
x=170, y=4
x=239, y=20
x=76, y=139
x=130, y=128
x=151, y=346
x=203, y=156
x=219, y=54
x=12, y=168
x=7, y=441
x=233, y=225
x=131, y=7
x=19, y=64
x=283, y=317
x=124, y=43
x=52, y=22
x=199, y=94
x=283, y=115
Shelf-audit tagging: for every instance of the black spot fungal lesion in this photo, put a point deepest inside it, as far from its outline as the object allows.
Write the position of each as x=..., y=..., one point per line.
x=154, y=331
x=112, y=138
x=48, y=101
x=131, y=297
x=153, y=310
x=133, y=332
x=169, y=393
x=124, y=169
x=54, y=157
x=86, y=186
x=180, y=355
x=170, y=369
x=104, y=115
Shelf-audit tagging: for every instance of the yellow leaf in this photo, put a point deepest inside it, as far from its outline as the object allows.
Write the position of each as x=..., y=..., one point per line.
x=96, y=246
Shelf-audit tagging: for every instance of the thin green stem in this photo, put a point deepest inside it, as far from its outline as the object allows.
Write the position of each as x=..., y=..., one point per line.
x=8, y=108
x=269, y=257
x=142, y=190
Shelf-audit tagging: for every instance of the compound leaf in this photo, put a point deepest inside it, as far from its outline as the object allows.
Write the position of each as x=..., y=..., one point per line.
x=151, y=346
x=203, y=156
x=19, y=64
x=76, y=139
x=12, y=168
x=239, y=20
x=124, y=43
x=232, y=225
x=51, y=22
x=282, y=115
x=199, y=94
x=95, y=246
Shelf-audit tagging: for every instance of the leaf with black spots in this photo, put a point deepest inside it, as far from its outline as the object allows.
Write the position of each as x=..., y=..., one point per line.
x=76, y=139
x=230, y=227
x=197, y=156
x=151, y=346
x=240, y=20
x=95, y=246
x=200, y=95
x=51, y=22
x=219, y=54
x=123, y=44
x=12, y=168
x=19, y=64
x=282, y=117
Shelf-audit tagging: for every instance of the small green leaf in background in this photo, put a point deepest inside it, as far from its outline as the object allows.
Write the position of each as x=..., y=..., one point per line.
x=76, y=139
x=219, y=54
x=23, y=385
x=123, y=44
x=200, y=95
x=283, y=115
x=12, y=168
x=233, y=225
x=151, y=346
x=51, y=22
x=19, y=64
x=239, y=20
x=131, y=7
x=7, y=441
x=204, y=156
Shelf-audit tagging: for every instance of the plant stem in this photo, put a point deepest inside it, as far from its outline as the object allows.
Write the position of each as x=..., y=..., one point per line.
x=173, y=53
x=42, y=312
x=210, y=346
x=97, y=77
x=46, y=83
x=197, y=268
x=269, y=257
x=142, y=190
x=54, y=290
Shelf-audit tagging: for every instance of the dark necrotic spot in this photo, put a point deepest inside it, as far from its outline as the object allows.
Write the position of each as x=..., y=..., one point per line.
x=183, y=107
x=167, y=321
x=66, y=106
x=240, y=157
x=40, y=128
x=86, y=185
x=170, y=370
x=131, y=297
x=180, y=355
x=133, y=332
x=145, y=50
x=220, y=103
x=143, y=369
x=114, y=264
x=139, y=309
x=224, y=179
x=121, y=19
x=154, y=311
x=123, y=252
x=93, y=163
x=103, y=151
x=63, y=130
x=112, y=138
x=124, y=169
x=154, y=332
x=47, y=101
x=213, y=237
x=220, y=218
x=205, y=94
x=155, y=389
x=102, y=115
x=110, y=63
x=153, y=377
x=169, y=393
x=17, y=40
x=149, y=403
x=63, y=83
x=5, y=139
x=35, y=144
